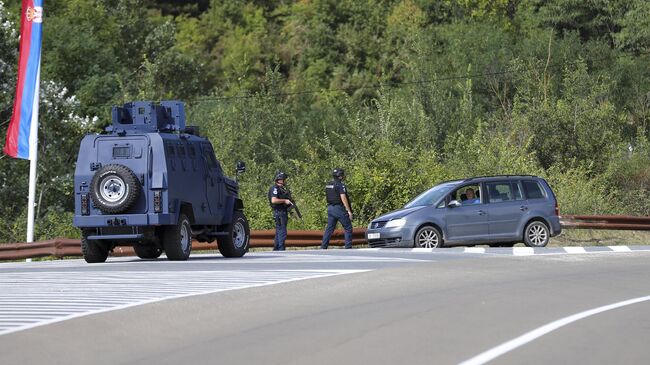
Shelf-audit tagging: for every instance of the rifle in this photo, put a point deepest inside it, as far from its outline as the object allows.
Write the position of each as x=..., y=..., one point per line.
x=294, y=207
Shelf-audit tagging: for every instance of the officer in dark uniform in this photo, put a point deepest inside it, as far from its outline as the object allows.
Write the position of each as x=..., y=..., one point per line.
x=339, y=208
x=278, y=198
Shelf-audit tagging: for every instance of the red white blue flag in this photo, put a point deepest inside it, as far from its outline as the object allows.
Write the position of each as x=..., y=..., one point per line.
x=23, y=128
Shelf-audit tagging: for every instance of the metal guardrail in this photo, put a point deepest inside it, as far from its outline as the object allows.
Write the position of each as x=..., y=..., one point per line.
x=613, y=222
x=264, y=238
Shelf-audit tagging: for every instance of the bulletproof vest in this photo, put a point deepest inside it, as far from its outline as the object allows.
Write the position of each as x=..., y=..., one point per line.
x=331, y=195
x=282, y=194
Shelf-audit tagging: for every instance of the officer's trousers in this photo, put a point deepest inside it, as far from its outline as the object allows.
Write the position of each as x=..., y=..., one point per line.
x=337, y=213
x=281, y=217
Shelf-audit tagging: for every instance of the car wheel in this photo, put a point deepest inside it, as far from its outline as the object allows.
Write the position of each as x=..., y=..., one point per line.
x=114, y=188
x=536, y=234
x=237, y=240
x=428, y=237
x=177, y=240
x=94, y=251
x=147, y=251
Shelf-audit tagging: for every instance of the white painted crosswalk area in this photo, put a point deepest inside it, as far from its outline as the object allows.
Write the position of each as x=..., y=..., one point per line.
x=31, y=299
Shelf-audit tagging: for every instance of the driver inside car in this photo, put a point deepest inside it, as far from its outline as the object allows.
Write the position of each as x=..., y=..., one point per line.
x=471, y=198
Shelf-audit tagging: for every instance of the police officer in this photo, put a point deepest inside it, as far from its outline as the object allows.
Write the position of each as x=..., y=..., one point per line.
x=278, y=198
x=339, y=208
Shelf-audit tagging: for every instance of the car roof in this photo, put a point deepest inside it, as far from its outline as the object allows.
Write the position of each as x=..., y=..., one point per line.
x=488, y=178
x=498, y=177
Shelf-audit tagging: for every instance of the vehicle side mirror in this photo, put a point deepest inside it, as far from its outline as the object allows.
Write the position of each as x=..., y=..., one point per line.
x=454, y=204
x=241, y=167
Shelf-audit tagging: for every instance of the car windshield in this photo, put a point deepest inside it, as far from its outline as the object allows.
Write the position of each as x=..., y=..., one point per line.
x=432, y=195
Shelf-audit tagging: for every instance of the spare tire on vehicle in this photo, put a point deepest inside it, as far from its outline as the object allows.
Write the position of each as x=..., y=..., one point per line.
x=114, y=188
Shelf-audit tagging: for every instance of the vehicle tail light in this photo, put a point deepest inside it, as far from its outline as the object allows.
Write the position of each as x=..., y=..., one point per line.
x=85, y=205
x=157, y=201
x=557, y=209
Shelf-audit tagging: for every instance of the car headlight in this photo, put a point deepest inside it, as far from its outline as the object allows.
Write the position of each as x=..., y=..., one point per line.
x=396, y=223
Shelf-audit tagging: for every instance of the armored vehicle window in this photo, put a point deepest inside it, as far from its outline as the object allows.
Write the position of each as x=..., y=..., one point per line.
x=208, y=155
x=170, y=150
x=181, y=151
x=192, y=151
x=121, y=152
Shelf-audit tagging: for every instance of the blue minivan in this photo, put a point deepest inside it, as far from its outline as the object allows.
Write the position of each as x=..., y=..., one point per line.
x=491, y=210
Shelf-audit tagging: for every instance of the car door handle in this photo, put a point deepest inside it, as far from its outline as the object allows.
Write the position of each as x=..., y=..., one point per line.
x=481, y=212
x=523, y=207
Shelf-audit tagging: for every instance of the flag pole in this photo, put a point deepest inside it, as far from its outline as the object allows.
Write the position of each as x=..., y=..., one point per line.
x=33, y=154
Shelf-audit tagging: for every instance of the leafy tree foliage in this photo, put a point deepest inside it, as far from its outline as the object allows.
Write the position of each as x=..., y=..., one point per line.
x=401, y=93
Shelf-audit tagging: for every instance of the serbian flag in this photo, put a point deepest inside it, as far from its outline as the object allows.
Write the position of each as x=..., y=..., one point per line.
x=23, y=128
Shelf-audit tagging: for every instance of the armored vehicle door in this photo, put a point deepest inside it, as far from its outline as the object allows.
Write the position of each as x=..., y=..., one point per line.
x=214, y=188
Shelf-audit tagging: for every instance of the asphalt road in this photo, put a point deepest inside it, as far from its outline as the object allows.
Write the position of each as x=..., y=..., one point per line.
x=333, y=307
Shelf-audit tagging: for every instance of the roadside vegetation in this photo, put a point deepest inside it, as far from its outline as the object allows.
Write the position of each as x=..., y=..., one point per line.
x=400, y=93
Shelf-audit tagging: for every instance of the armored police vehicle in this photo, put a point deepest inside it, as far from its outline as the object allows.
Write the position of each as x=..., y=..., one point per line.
x=154, y=184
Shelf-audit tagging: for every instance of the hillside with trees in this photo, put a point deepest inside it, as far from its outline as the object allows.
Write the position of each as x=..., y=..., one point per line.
x=400, y=93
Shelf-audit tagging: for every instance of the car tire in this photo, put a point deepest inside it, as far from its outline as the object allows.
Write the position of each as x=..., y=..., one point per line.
x=237, y=240
x=428, y=237
x=147, y=251
x=536, y=234
x=114, y=188
x=94, y=251
x=177, y=240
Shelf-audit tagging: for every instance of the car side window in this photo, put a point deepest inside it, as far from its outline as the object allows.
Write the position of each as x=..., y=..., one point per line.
x=533, y=190
x=516, y=191
x=499, y=192
x=467, y=195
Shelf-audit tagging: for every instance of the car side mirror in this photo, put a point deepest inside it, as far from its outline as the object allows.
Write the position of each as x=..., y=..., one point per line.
x=454, y=204
x=241, y=167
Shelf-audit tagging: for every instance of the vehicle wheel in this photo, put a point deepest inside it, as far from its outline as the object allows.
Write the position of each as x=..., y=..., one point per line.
x=114, y=188
x=94, y=251
x=147, y=251
x=236, y=243
x=428, y=237
x=536, y=234
x=177, y=240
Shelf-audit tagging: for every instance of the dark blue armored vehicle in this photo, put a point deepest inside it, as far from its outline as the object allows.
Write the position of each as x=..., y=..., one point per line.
x=154, y=184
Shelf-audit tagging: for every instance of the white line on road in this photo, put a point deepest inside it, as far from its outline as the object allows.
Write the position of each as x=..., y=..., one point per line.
x=474, y=250
x=506, y=347
x=523, y=251
x=572, y=249
x=619, y=248
x=134, y=288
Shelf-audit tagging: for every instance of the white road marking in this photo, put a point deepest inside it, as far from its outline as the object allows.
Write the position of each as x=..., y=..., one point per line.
x=619, y=248
x=421, y=249
x=572, y=249
x=474, y=250
x=32, y=299
x=523, y=251
x=506, y=347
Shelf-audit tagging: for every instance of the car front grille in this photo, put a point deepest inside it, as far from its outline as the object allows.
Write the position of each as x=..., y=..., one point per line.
x=378, y=224
x=388, y=242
